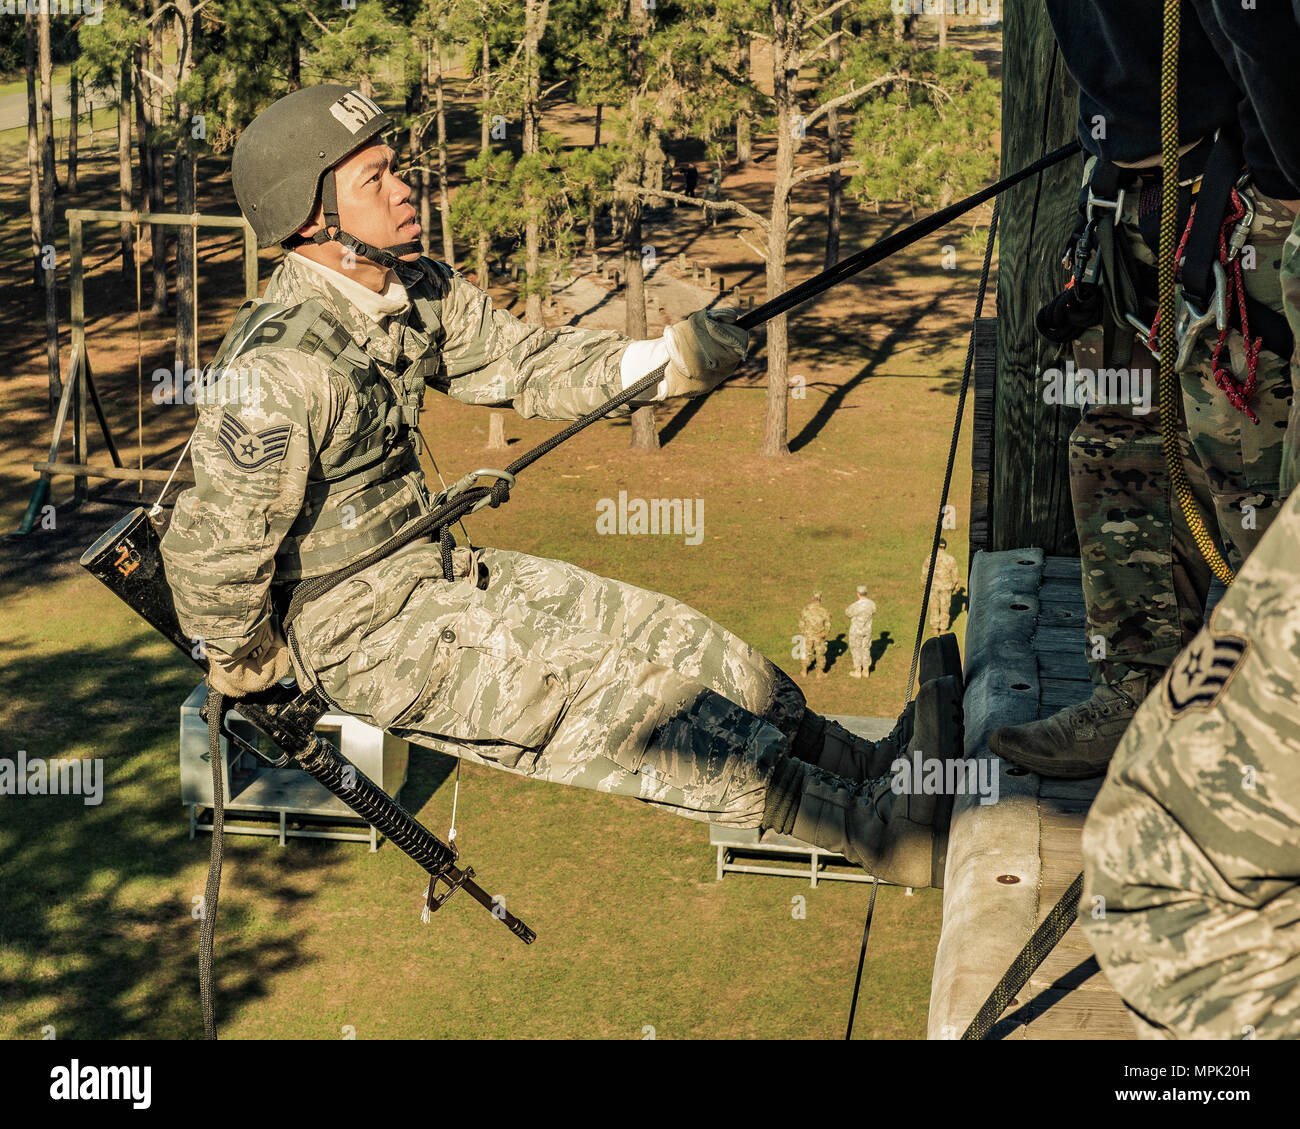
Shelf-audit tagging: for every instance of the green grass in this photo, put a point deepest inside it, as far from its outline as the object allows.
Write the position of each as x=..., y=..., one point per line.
x=97, y=938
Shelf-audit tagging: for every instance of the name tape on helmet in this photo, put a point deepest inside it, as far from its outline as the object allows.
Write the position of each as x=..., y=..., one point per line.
x=353, y=110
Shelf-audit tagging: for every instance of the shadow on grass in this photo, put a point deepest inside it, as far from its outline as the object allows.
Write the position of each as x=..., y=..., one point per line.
x=902, y=332
x=98, y=936
x=879, y=647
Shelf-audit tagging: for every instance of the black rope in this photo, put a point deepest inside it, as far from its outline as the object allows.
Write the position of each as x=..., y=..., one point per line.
x=1046, y=937
x=214, y=708
x=862, y=956
x=952, y=448
x=890, y=244
x=450, y=512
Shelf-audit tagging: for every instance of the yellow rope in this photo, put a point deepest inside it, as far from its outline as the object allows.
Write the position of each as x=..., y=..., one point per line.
x=1170, y=387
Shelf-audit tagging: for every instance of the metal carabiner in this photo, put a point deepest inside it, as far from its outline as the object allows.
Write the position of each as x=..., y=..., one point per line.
x=468, y=482
x=1191, y=323
x=1144, y=331
x=1241, y=232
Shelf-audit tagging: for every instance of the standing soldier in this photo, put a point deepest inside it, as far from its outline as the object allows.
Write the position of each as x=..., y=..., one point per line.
x=1145, y=580
x=947, y=583
x=714, y=191
x=528, y=665
x=691, y=175
x=860, y=613
x=814, y=626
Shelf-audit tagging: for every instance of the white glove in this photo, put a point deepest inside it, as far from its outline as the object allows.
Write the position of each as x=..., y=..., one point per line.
x=701, y=353
x=264, y=664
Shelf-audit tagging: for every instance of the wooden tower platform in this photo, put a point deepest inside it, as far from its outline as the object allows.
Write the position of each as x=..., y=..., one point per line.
x=1009, y=861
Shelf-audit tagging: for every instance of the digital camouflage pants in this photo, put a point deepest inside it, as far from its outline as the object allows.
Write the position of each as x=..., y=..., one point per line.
x=1192, y=848
x=1144, y=580
x=548, y=671
x=860, y=650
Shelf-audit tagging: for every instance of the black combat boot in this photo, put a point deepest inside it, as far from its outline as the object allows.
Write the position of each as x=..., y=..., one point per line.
x=831, y=747
x=890, y=826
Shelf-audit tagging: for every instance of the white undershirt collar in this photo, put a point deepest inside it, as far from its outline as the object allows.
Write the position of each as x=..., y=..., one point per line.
x=377, y=307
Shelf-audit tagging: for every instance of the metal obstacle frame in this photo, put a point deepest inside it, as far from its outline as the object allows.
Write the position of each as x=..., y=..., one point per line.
x=80, y=385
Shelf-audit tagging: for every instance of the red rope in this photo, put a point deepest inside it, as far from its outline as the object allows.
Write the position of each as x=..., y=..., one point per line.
x=1237, y=392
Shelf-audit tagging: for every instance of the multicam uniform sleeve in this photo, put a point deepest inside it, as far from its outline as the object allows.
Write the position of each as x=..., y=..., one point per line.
x=1192, y=847
x=491, y=357
x=253, y=446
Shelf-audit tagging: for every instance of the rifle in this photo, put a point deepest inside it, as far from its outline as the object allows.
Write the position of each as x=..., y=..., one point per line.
x=128, y=561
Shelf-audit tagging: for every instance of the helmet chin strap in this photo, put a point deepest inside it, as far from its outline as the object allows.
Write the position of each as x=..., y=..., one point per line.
x=407, y=273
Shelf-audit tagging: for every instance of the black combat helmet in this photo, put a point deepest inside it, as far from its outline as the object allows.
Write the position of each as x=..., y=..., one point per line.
x=284, y=161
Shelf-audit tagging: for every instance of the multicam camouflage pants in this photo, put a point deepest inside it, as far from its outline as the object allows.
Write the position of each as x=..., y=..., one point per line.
x=816, y=652
x=1144, y=580
x=1290, y=278
x=1192, y=848
x=941, y=609
x=545, y=670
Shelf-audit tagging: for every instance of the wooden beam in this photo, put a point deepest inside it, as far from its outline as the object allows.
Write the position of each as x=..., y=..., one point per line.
x=129, y=474
x=1030, y=498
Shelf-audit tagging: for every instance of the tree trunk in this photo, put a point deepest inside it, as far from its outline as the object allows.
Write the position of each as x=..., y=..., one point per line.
x=140, y=61
x=157, y=203
x=787, y=31
x=941, y=15
x=187, y=340
x=426, y=177
x=125, y=230
x=535, y=13
x=589, y=243
x=49, y=186
x=482, y=246
x=295, y=61
x=444, y=196
x=73, y=86
x=741, y=63
x=834, y=154
x=33, y=151
x=417, y=103
x=644, y=437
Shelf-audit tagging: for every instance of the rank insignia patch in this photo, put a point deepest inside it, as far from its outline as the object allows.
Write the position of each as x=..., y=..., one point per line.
x=1202, y=672
x=249, y=450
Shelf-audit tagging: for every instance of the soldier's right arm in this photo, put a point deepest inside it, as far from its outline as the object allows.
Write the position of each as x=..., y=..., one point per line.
x=490, y=357
x=252, y=448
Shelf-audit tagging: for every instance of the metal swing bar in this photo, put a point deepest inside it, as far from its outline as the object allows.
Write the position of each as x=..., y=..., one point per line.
x=80, y=385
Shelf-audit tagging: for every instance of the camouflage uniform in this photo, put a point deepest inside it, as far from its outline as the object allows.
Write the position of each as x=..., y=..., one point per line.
x=526, y=664
x=1192, y=848
x=947, y=581
x=814, y=624
x=1290, y=282
x=1144, y=579
x=860, y=614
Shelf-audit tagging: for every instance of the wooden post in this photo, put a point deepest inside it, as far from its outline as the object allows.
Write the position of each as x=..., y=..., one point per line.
x=1030, y=495
x=496, y=432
